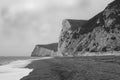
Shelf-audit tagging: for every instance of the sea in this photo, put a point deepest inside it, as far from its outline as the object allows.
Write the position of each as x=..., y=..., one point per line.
x=8, y=59
x=14, y=68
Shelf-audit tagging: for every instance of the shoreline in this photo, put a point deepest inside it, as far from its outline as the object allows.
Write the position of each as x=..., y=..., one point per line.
x=17, y=69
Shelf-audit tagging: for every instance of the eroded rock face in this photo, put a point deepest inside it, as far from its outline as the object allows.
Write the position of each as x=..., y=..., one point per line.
x=99, y=34
x=45, y=50
x=69, y=35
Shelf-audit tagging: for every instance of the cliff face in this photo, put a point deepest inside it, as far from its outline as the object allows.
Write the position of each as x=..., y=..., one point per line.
x=69, y=35
x=99, y=34
x=45, y=50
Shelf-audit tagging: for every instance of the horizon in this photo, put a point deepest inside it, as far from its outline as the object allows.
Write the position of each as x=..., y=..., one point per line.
x=26, y=23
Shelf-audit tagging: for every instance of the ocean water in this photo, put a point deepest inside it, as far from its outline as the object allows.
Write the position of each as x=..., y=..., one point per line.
x=8, y=59
x=13, y=68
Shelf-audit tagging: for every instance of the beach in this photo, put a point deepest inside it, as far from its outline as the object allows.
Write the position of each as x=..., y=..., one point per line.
x=16, y=70
x=75, y=68
x=63, y=68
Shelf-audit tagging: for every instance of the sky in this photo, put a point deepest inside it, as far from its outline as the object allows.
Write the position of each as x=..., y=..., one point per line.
x=26, y=23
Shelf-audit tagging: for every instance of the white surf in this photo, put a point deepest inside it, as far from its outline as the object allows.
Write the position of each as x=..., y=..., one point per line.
x=16, y=69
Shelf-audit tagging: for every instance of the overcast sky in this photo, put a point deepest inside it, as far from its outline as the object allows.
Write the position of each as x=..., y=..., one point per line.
x=25, y=23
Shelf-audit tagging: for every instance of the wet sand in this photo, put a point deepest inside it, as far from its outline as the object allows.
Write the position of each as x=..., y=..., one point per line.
x=79, y=68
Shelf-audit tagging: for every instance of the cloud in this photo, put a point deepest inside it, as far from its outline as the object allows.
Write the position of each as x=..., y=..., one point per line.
x=41, y=5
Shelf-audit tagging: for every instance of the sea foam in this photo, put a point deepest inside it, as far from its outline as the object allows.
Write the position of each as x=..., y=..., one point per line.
x=16, y=69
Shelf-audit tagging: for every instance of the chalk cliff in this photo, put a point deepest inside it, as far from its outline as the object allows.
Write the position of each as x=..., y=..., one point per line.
x=45, y=50
x=100, y=34
x=69, y=35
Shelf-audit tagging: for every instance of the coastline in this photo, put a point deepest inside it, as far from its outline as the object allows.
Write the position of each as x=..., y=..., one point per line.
x=17, y=69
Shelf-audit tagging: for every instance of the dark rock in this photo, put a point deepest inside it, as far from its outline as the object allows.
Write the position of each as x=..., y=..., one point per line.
x=99, y=34
x=45, y=50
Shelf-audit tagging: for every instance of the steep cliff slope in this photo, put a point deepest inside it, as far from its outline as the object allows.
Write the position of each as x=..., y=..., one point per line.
x=45, y=50
x=69, y=35
x=100, y=34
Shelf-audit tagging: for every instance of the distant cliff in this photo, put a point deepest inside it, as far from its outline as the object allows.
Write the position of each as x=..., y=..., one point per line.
x=45, y=50
x=100, y=34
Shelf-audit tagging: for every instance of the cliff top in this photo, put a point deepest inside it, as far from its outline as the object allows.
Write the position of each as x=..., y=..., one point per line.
x=74, y=24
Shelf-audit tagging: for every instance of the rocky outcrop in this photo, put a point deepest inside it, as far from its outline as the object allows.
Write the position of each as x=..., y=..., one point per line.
x=45, y=50
x=69, y=35
x=100, y=34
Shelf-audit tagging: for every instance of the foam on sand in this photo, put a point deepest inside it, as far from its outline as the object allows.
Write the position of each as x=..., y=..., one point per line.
x=15, y=70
